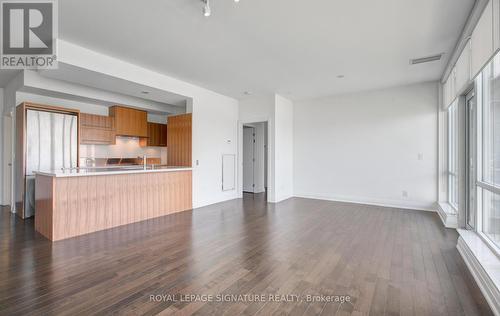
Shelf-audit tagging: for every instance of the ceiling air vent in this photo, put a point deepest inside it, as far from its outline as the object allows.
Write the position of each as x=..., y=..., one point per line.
x=425, y=59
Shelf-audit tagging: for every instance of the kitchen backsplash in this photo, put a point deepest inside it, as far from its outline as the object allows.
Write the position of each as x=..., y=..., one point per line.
x=126, y=147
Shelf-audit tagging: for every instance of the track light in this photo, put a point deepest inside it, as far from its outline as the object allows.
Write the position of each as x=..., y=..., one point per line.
x=206, y=8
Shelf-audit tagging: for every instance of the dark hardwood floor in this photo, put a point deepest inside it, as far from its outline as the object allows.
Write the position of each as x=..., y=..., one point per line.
x=388, y=261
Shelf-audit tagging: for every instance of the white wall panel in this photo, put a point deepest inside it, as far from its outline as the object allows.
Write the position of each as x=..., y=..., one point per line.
x=482, y=40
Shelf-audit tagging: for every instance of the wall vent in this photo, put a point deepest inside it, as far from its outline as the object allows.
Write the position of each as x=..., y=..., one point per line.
x=425, y=59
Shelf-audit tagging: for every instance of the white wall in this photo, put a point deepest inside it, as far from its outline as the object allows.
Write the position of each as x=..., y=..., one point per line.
x=7, y=159
x=257, y=109
x=157, y=118
x=284, y=154
x=369, y=147
x=125, y=147
x=215, y=130
x=9, y=99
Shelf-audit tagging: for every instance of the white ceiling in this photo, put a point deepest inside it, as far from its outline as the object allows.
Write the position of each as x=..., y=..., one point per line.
x=293, y=47
x=103, y=82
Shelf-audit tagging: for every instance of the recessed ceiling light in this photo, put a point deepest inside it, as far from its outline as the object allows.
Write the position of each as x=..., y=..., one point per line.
x=340, y=76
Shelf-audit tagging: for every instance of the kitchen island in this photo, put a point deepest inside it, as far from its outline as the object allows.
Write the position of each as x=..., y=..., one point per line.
x=75, y=202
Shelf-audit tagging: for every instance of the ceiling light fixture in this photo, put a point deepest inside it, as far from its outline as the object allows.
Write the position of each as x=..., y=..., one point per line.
x=206, y=8
x=340, y=76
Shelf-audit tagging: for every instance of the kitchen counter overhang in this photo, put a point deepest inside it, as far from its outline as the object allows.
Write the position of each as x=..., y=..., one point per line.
x=80, y=201
x=103, y=171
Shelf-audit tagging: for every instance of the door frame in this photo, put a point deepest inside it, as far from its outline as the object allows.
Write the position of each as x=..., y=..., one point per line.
x=7, y=159
x=253, y=158
x=270, y=155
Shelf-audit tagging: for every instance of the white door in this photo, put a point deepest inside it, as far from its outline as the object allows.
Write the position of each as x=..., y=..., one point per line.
x=248, y=158
x=7, y=167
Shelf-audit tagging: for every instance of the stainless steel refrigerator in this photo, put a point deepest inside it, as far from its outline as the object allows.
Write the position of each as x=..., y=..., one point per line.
x=51, y=144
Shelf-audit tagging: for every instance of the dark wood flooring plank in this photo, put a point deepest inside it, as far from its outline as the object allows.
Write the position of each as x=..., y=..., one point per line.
x=388, y=261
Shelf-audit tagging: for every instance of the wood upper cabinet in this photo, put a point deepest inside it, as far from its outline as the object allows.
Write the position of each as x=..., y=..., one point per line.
x=179, y=141
x=157, y=135
x=96, y=121
x=96, y=129
x=482, y=42
x=129, y=122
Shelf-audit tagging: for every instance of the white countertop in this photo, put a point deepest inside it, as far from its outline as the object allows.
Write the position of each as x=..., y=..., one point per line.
x=103, y=171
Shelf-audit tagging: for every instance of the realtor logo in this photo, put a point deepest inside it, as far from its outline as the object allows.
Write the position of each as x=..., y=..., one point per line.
x=28, y=34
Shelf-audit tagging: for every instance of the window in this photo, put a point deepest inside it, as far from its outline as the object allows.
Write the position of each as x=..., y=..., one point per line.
x=453, y=155
x=489, y=143
x=491, y=123
x=491, y=215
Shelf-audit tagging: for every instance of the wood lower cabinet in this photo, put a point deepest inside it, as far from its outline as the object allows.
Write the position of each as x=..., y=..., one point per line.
x=73, y=206
x=157, y=135
x=97, y=129
x=179, y=140
x=129, y=122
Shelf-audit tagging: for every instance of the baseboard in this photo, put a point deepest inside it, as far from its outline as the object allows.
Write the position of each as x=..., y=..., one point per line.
x=281, y=198
x=410, y=205
x=449, y=220
x=212, y=202
x=482, y=277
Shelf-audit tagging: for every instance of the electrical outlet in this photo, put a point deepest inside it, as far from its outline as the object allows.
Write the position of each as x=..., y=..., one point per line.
x=420, y=156
x=405, y=194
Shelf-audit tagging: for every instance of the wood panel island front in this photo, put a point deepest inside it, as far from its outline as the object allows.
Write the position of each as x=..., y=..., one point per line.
x=77, y=202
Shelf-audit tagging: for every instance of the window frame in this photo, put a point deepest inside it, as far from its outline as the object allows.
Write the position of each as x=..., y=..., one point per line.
x=481, y=184
x=453, y=159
